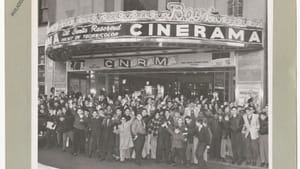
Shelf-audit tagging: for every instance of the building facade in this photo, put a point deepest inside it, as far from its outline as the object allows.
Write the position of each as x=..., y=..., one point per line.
x=167, y=47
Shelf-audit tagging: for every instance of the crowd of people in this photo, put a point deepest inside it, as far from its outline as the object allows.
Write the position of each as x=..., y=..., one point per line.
x=174, y=130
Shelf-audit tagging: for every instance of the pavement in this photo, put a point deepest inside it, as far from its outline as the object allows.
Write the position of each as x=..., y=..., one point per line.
x=54, y=157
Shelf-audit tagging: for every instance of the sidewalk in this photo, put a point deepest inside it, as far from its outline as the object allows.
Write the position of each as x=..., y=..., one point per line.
x=234, y=166
x=56, y=158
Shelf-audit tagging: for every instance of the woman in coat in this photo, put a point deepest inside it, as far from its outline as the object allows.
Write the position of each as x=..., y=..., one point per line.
x=126, y=142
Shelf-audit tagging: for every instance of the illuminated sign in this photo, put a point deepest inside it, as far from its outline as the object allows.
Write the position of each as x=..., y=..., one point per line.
x=175, y=26
x=156, y=30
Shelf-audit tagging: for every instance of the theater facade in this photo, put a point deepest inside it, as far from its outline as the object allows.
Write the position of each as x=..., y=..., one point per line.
x=172, y=51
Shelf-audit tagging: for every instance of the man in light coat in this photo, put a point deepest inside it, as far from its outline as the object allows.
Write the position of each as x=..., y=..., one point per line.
x=138, y=129
x=251, y=133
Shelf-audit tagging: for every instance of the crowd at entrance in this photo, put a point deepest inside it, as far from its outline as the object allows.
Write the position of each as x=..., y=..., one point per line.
x=166, y=129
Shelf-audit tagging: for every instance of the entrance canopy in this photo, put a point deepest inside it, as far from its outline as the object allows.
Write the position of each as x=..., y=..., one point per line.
x=135, y=31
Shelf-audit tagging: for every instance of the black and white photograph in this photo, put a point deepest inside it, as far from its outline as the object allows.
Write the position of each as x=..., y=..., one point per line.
x=154, y=84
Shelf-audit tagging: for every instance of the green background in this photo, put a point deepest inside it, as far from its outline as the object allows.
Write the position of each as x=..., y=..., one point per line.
x=18, y=85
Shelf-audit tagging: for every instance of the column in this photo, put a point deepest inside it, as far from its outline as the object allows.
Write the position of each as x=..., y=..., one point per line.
x=231, y=86
x=249, y=76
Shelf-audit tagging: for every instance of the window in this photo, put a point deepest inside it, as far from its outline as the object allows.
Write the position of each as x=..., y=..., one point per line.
x=43, y=12
x=41, y=58
x=235, y=8
x=41, y=69
x=139, y=5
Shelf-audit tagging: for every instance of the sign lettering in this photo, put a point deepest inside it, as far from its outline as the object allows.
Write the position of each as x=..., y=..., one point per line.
x=162, y=30
x=175, y=26
x=161, y=61
x=124, y=63
x=109, y=63
x=142, y=62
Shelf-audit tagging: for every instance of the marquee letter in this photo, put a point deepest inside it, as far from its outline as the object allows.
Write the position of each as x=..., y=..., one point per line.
x=109, y=63
x=161, y=61
x=142, y=62
x=254, y=37
x=217, y=34
x=182, y=30
x=161, y=29
x=150, y=31
x=124, y=62
x=200, y=30
x=236, y=35
x=134, y=29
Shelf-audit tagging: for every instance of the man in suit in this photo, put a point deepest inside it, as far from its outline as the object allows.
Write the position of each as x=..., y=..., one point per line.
x=251, y=133
x=138, y=129
x=164, y=139
x=236, y=125
x=107, y=137
x=203, y=136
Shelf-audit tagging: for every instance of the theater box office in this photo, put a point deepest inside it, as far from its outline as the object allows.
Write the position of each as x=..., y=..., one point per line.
x=176, y=51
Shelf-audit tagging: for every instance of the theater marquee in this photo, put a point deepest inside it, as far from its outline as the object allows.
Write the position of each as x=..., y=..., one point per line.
x=177, y=25
x=156, y=30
